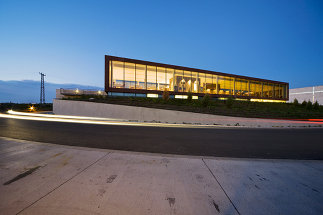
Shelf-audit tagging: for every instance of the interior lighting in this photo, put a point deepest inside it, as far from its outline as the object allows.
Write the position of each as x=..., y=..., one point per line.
x=267, y=100
x=152, y=95
x=238, y=99
x=195, y=97
x=181, y=96
x=195, y=86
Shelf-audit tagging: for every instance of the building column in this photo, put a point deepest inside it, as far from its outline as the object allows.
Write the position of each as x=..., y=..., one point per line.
x=124, y=75
x=248, y=88
x=156, y=80
x=174, y=80
x=135, y=76
x=146, y=78
x=262, y=89
x=217, y=84
x=234, y=86
x=111, y=73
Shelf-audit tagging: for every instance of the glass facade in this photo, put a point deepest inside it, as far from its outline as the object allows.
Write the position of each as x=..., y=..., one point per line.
x=141, y=76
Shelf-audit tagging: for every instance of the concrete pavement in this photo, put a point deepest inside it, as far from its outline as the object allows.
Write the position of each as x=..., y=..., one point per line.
x=270, y=143
x=39, y=178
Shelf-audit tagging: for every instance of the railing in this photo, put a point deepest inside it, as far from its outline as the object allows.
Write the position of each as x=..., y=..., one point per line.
x=75, y=92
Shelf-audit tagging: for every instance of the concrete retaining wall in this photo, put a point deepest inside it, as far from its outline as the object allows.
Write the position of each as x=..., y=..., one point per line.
x=142, y=114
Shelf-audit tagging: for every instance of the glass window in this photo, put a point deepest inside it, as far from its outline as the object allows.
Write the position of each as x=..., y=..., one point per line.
x=259, y=89
x=277, y=91
x=117, y=74
x=221, y=85
x=237, y=87
x=283, y=88
x=179, y=81
x=170, y=79
x=244, y=87
x=215, y=87
x=161, y=78
x=195, y=82
x=241, y=87
x=252, y=88
x=209, y=87
x=265, y=90
x=187, y=81
x=140, y=76
x=227, y=85
x=270, y=90
x=151, y=78
x=255, y=89
x=202, y=83
x=129, y=76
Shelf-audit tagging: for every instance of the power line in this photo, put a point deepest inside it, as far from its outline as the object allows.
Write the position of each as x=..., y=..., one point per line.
x=42, y=88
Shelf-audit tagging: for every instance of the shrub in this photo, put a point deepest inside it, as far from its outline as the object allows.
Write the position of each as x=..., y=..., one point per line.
x=304, y=103
x=229, y=102
x=166, y=95
x=205, y=100
x=189, y=96
x=316, y=105
x=295, y=102
x=309, y=105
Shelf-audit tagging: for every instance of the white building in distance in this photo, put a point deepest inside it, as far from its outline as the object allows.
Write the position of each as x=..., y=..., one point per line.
x=307, y=93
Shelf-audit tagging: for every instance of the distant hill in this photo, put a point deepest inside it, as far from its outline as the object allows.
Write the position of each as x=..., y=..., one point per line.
x=28, y=91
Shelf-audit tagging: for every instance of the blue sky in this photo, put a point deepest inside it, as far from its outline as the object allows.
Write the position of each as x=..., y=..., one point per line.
x=278, y=40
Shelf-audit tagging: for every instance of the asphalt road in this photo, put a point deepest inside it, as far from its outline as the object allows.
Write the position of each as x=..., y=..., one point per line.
x=220, y=142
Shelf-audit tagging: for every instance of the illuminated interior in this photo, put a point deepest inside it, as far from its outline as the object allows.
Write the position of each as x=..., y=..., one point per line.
x=141, y=77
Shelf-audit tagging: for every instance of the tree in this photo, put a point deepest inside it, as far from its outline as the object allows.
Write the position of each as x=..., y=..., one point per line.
x=166, y=95
x=229, y=102
x=309, y=105
x=316, y=105
x=205, y=100
x=304, y=103
x=189, y=96
x=295, y=102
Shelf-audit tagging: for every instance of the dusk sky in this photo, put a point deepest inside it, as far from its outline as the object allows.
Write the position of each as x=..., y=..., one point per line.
x=67, y=40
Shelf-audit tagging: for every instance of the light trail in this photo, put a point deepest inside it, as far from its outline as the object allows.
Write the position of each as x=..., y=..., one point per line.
x=222, y=121
x=61, y=116
x=85, y=120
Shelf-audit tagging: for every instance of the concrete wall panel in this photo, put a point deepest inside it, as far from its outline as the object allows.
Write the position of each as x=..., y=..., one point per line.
x=143, y=114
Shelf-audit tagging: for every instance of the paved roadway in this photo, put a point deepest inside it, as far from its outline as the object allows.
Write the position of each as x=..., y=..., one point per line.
x=38, y=178
x=221, y=142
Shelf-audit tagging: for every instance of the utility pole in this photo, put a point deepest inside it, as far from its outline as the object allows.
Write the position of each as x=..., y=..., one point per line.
x=42, y=88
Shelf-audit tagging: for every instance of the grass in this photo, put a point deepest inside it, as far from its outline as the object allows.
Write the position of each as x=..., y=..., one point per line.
x=230, y=107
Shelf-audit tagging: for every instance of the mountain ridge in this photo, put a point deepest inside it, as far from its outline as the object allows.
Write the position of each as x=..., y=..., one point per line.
x=28, y=91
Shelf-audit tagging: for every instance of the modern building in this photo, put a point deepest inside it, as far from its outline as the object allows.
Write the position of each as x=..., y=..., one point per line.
x=307, y=94
x=142, y=78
